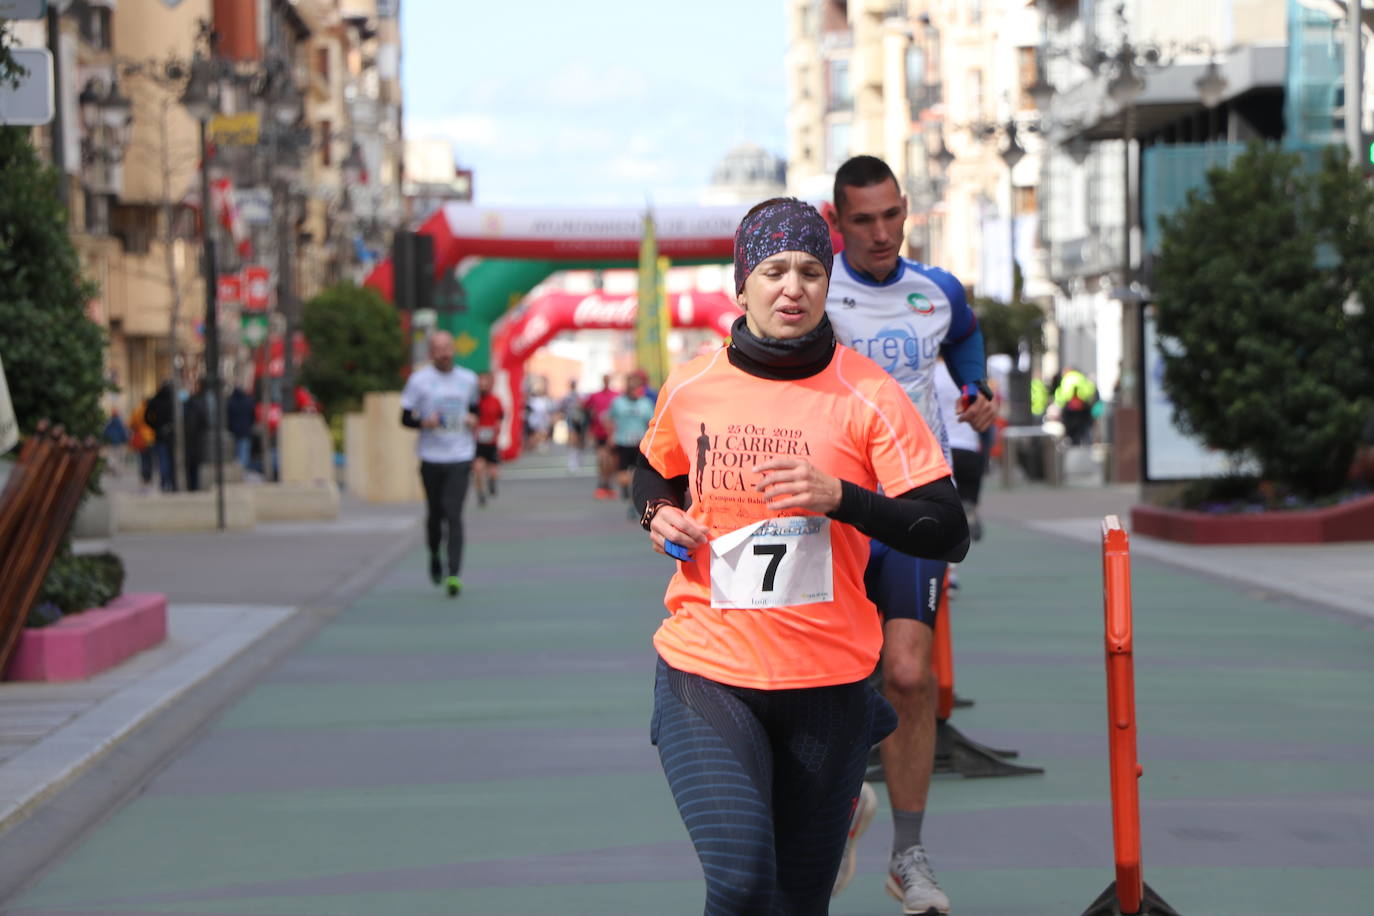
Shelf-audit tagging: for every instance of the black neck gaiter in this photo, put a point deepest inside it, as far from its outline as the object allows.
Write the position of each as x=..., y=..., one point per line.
x=781, y=360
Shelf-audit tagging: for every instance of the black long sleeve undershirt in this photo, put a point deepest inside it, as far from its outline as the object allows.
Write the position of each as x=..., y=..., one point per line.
x=927, y=521
x=409, y=419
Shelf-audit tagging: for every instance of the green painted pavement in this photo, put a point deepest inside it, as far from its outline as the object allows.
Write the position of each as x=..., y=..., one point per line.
x=1255, y=717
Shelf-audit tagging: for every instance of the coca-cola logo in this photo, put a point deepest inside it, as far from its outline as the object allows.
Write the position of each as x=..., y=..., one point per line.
x=595, y=311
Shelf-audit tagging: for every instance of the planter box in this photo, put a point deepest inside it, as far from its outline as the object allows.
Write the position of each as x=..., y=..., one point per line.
x=1350, y=521
x=83, y=645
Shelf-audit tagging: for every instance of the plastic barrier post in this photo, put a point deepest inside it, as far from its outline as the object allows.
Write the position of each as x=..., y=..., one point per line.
x=1129, y=895
x=954, y=751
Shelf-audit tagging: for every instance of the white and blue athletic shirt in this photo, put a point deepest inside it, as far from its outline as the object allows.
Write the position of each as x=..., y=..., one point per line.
x=904, y=323
x=451, y=395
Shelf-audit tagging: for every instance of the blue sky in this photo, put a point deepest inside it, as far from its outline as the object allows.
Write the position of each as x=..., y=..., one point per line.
x=602, y=103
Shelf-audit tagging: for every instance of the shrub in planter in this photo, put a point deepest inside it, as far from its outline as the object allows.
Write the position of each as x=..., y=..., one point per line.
x=77, y=582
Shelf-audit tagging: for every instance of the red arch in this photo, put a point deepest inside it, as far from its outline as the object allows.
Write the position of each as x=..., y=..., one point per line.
x=516, y=337
x=612, y=236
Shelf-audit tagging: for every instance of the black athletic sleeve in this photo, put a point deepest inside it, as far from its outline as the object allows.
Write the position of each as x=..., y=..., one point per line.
x=409, y=419
x=648, y=484
x=927, y=522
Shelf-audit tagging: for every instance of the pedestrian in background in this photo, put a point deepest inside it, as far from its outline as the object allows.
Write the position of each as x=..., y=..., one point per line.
x=195, y=420
x=159, y=416
x=486, y=466
x=627, y=421
x=239, y=411
x=142, y=442
x=597, y=404
x=575, y=422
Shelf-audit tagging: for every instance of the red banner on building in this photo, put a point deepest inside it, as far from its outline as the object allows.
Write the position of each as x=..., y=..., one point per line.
x=230, y=289
x=257, y=287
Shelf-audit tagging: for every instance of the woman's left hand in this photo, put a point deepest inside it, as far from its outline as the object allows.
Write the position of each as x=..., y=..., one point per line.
x=792, y=483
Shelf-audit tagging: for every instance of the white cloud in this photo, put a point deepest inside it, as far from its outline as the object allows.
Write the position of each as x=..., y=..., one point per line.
x=465, y=131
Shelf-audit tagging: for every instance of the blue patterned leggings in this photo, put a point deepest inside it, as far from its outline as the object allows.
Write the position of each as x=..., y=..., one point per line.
x=766, y=781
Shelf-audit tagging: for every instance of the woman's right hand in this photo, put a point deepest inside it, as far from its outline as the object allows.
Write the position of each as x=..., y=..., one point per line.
x=672, y=524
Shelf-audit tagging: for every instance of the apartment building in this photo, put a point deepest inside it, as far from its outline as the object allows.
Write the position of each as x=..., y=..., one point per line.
x=309, y=141
x=939, y=90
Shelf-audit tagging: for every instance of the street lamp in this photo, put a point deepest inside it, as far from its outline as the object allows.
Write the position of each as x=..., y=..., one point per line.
x=200, y=98
x=106, y=114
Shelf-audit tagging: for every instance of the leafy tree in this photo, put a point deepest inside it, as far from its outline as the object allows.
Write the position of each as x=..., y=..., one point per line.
x=356, y=346
x=1006, y=327
x=53, y=353
x=1265, y=286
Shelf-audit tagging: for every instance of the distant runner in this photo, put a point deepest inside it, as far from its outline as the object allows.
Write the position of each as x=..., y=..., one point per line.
x=440, y=400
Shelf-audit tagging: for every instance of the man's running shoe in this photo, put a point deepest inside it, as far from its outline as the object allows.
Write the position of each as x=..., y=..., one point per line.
x=436, y=569
x=864, y=809
x=911, y=880
x=481, y=498
x=604, y=493
x=455, y=585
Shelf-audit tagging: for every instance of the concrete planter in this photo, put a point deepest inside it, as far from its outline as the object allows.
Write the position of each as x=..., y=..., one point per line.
x=1350, y=521
x=82, y=645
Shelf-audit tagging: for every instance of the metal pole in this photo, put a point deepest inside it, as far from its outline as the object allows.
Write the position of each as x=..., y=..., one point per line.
x=1354, y=83
x=57, y=131
x=286, y=289
x=1011, y=232
x=212, y=323
x=1126, y=385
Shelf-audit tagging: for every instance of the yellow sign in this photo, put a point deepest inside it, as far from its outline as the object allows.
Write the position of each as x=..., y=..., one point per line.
x=651, y=337
x=237, y=129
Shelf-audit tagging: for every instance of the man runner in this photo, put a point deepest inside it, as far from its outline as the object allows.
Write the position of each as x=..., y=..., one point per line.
x=597, y=404
x=486, y=467
x=440, y=400
x=903, y=315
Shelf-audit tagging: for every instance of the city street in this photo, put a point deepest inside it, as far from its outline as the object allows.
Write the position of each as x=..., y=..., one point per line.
x=490, y=754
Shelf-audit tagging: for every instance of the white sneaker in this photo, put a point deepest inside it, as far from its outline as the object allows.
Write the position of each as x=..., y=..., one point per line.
x=911, y=880
x=864, y=810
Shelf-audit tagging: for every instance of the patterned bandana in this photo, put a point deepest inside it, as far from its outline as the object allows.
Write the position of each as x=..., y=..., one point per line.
x=788, y=225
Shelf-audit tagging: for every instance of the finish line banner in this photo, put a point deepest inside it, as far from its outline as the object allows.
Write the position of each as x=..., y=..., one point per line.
x=571, y=234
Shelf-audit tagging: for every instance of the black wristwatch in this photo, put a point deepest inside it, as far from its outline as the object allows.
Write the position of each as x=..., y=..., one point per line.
x=650, y=510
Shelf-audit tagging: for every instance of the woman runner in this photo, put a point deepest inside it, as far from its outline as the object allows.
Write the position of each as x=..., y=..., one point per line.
x=760, y=471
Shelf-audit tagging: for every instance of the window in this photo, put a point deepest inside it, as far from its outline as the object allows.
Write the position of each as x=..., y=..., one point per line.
x=97, y=207
x=841, y=97
x=1026, y=201
x=915, y=77
x=134, y=225
x=326, y=143
x=975, y=12
x=322, y=63
x=1025, y=77
x=836, y=144
x=974, y=93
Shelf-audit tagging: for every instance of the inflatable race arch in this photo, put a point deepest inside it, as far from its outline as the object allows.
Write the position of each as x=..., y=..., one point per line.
x=520, y=248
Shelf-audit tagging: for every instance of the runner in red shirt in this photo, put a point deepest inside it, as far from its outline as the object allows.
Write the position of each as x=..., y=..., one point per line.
x=486, y=467
x=597, y=404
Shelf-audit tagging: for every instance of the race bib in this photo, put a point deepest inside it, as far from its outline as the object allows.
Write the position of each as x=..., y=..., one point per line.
x=486, y=436
x=772, y=563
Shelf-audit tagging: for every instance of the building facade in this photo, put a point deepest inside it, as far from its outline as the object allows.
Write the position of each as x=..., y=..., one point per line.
x=307, y=134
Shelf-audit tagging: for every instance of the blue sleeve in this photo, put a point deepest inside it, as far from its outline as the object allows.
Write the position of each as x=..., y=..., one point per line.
x=965, y=358
x=963, y=344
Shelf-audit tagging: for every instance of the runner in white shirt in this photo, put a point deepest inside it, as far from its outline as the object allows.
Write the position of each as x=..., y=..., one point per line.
x=903, y=315
x=440, y=400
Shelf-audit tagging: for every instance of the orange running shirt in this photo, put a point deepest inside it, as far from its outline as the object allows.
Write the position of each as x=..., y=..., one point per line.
x=714, y=423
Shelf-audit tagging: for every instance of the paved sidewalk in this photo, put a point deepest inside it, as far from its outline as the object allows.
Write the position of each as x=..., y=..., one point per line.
x=489, y=755
x=228, y=594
